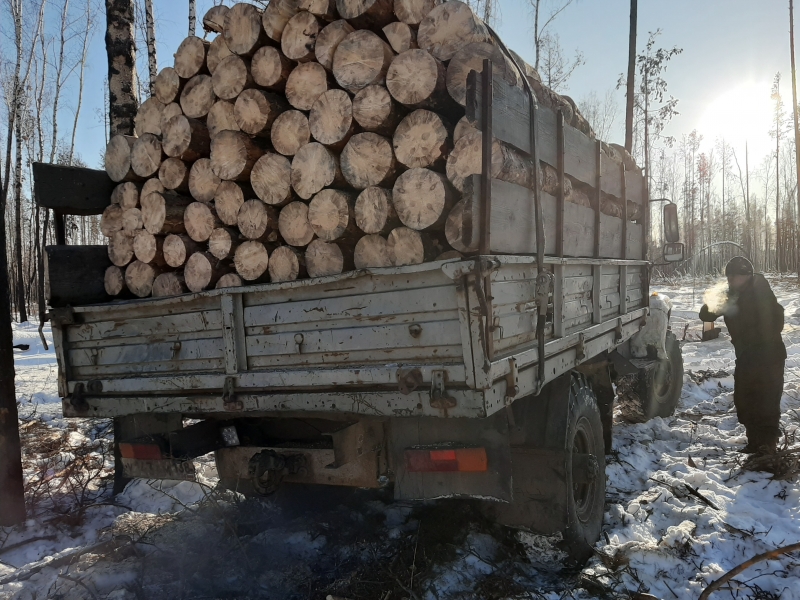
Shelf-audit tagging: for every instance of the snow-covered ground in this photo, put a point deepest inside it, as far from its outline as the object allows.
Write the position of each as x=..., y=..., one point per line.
x=185, y=540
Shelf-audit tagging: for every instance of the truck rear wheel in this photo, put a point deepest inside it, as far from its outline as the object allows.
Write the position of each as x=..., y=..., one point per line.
x=660, y=387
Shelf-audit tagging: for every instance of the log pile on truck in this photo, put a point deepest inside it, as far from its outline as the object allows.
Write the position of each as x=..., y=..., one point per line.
x=313, y=138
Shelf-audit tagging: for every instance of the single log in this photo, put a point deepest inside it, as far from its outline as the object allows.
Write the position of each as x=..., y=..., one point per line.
x=148, y=117
x=203, y=271
x=233, y=155
x=300, y=36
x=243, y=32
x=170, y=110
x=376, y=111
x=328, y=41
x=290, y=132
x=177, y=248
x=271, y=179
x=463, y=127
x=251, y=261
x=374, y=211
x=223, y=242
x=470, y=58
x=418, y=80
x=111, y=220
x=190, y=59
x=146, y=155
x=229, y=280
x=114, y=281
x=314, y=167
x=217, y=52
x=132, y=220
x=139, y=278
x=200, y=221
x=270, y=68
x=120, y=248
x=580, y=197
x=118, y=159
x=149, y=248
x=371, y=252
x=366, y=14
x=550, y=184
x=186, y=139
x=331, y=119
x=228, y=200
x=163, y=213
x=412, y=12
x=409, y=247
x=214, y=19
x=448, y=28
x=276, y=16
x=232, y=77
x=168, y=85
x=151, y=185
x=174, y=174
x=400, y=37
x=221, y=118
x=126, y=195
x=203, y=184
x=255, y=219
x=169, y=284
x=331, y=215
x=256, y=110
x=286, y=264
x=466, y=160
x=422, y=139
x=423, y=199
x=327, y=258
x=305, y=84
x=454, y=229
x=324, y=9
x=368, y=160
x=197, y=96
x=294, y=226
x=361, y=59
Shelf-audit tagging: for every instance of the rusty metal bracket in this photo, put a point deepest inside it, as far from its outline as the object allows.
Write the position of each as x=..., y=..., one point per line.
x=408, y=380
x=439, y=397
x=618, y=334
x=229, y=398
x=512, y=381
x=63, y=316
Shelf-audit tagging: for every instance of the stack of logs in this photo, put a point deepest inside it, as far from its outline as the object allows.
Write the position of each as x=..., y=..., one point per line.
x=308, y=139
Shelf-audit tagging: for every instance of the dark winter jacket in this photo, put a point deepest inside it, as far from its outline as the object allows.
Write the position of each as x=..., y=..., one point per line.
x=754, y=320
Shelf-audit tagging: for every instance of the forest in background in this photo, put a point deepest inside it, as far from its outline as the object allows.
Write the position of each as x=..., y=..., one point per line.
x=722, y=196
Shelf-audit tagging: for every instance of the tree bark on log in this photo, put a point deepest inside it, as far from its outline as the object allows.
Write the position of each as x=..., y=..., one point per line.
x=418, y=80
x=423, y=199
x=331, y=119
x=314, y=167
x=271, y=179
x=221, y=118
x=324, y=9
x=146, y=155
x=233, y=155
x=186, y=139
x=228, y=200
x=366, y=14
x=120, y=248
x=331, y=215
x=294, y=226
x=163, y=213
x=223, y=242
x=412, y=12
x=217, y=52
x=422, y=139
x=126, y=195
x=203, y=183
x=290, y=132
x=305, y=84
x=375, y=110
x=178, y=248
x=470, y=58
x=400, y=37
x=114, y=281
x=148, y=117
x=300, y=37
x=466, y=160
x=243, y=32
x=368, y=160
x=174, y=175
x=214, y=19
x=256, y=219
x=276, y=16
x=374, y=211
x=198, y=97
x=170, y=110
x=326, y=258
x=270, y=68
x=454, y=229
x=203, y=271
x=111, y=220
x=409, y=247
x=139, y=278
x=229, y=280
x=328, y=41
x=169, y=284
x=149, y=248
x=361, y=59
x=190, y=59
x=132, y=220
x=200, y=221
x=448, y=28
x=256, y=110
x=251, y=261
x=286, y=264
x=118, y=159
x=232, y=77
x=372, y=252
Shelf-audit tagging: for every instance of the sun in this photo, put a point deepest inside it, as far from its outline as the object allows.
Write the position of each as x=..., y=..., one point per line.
x=741, y=115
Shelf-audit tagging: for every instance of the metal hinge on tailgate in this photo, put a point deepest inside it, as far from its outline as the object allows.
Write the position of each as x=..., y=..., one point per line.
x=439, y=397
x=229, y=395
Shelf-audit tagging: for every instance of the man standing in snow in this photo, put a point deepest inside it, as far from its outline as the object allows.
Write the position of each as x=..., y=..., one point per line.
x=754, y=320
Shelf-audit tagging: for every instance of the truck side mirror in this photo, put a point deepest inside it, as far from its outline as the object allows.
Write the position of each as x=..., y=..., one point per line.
x=672, y=231
x=673, y=252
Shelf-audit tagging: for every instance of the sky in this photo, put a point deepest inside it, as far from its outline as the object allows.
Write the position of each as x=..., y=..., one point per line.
x=732, y=50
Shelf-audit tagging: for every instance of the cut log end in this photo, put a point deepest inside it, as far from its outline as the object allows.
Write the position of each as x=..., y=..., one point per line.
x=330, y=214
x=368, y=160
x=286, y=264
x=251, y=260
x=422, y=140
x=294, y=226
x=361, y=59
x=114, y=281
x=203, y=183
x=271, y=179
x=139, y=278
x=372, y=251
x=314, y=168
x=305, y=84
x=324, y=259
x=374, y=211
x=169, y=284
x=290, y=132
x=422, y=199
x=200, y=221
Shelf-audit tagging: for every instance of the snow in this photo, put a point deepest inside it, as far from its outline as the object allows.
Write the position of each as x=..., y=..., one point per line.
x=184, y=539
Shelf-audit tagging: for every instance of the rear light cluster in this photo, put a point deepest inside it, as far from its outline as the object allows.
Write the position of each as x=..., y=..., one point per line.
x=463, y=460
x=140, y=451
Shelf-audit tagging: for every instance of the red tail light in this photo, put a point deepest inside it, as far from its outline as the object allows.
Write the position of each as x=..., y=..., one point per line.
x=463, y=460
x=140, y=451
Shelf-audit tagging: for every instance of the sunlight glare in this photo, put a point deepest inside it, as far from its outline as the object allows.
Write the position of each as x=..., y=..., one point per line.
x=742, y=114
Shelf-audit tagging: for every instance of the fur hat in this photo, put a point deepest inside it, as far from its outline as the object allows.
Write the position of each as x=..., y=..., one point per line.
x=738, y=265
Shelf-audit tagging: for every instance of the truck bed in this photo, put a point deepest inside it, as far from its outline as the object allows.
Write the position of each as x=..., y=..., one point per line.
x=405, y=341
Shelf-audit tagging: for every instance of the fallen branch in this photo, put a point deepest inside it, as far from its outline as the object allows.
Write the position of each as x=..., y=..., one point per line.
x=715, y=585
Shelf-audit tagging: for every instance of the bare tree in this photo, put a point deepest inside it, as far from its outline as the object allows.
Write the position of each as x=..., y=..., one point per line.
x=152, y=59
x=602, y=113
x=542, y=23
x=193, y=16
x=796, y=131
x=555, y=68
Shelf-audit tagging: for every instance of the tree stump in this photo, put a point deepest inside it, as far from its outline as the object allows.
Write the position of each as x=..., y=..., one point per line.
x=148, y=117
x=186, y=139
x=418, y=80
x=223, y=242
x=290, y=132
x=232, y=77
x=270, y=68
x=190, y=59
x=203, y=184
x=294, y=226
x=174, y=175
x=255, y=219
x=233, y=155
x=326, y=258
x=368, y=160
x=422, y=140
x=328, y=41
x=361, y=59
x=203, y=271
x=167, y=86
x=243, y=32
x=118, y=159
x=163, y=213
x=305, y=84
x=400, y=37
x=374, y=211
x=178, y=248
x=423, y=199
x=375, y=110
x=256, y=110
x=331, y=119
x=251, y=261
x=198, y=97
x=146, y=155
x=300, y=37
x=448, y=28
x=286, y=264
x=169, y=284
x=331, y=215
x=228, y=200
x=221, y=118
x=271, y=179
x=314, y=167
x=372, y=251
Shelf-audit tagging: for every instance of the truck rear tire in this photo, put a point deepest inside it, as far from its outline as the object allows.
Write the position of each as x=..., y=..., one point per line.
x=660, y=387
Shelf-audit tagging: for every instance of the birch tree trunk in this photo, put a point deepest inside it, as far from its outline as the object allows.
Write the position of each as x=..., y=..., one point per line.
x=121, y=50
x=152, y=59
x=192, y=17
